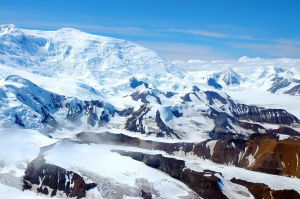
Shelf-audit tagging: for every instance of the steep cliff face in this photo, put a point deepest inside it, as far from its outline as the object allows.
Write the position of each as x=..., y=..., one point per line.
x=53, y=180
x=260, y=190
x=263, y=153
x=205, y=184
x=259, y=114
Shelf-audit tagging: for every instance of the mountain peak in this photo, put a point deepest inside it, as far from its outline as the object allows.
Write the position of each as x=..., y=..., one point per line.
x=229, y=76
x=75, y=53
x=6, y=28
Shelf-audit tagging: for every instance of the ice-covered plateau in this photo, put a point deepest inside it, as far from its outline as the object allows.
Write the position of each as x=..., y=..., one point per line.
x=88, y=116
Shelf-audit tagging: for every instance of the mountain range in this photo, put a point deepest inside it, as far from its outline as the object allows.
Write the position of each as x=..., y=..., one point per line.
x=89, y=116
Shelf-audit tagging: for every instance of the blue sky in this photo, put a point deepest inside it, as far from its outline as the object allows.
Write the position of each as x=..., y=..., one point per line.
x=176, y=29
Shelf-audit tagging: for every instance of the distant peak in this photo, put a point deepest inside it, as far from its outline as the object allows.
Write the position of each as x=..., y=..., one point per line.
x=68, y=30
x=229, y=70
x=6, y=28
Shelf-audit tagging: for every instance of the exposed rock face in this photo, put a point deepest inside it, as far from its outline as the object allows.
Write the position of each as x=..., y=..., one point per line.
x=135, y=122
x=136, y=83
x=261, y=152
x=38, y=106
x=224, y=151
x=259, y=114
x=163, y=127
x=205, y=183
x=275, y=157
x=278, y=83
x=260, y=190
x=143, y=96
x=293, y=91
x=211, y=96
x=212, y=82
x=49, y=179
x=96, y=111
x=146, y=195
x=124, y=140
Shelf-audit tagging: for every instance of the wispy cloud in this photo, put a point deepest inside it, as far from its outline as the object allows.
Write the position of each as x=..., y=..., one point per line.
x=279, y=48
x=100, y=29
x=199, y=32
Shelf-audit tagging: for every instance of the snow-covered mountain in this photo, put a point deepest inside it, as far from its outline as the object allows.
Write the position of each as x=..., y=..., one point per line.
x=89, y=116
x=280, y=76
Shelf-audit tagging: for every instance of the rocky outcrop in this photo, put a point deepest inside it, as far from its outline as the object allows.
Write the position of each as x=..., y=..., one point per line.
x=278, y=83
x=294, y=90
x=223, y=151
x=259, y=114
x=275, y=157
x=135, y=122
x=136, y=83
x=261, y=152
x=164, y=128
x=125, y=140
x=50, y=179
x=144, y=95
x=205, y=184
x=211, y=96
x=212, y=82
x=260, y=190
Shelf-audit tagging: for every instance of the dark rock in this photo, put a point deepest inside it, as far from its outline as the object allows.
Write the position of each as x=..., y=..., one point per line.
x=135, y=83
x=260, y=114
x=205, y=183
x=211, y=95
x=293, y=91
x=212, y=82
x=186, y=98
x=169, y=94
x=195, y=89
x=146, y=195
x=278, y=83
x=137, y=117
x=126, y=112
x=56, y=178
x=260, y=190
x=18, y=121
x=143, y=96
x=176, y=113
x=125, y=140
x=163, y=127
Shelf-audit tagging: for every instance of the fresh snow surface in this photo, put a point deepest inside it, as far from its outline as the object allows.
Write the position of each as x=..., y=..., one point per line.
x=18, y=147
x=69, y=53
x=9, y=192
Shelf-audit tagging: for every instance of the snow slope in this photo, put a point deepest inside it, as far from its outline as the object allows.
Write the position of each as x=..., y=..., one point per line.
x=70, y=52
